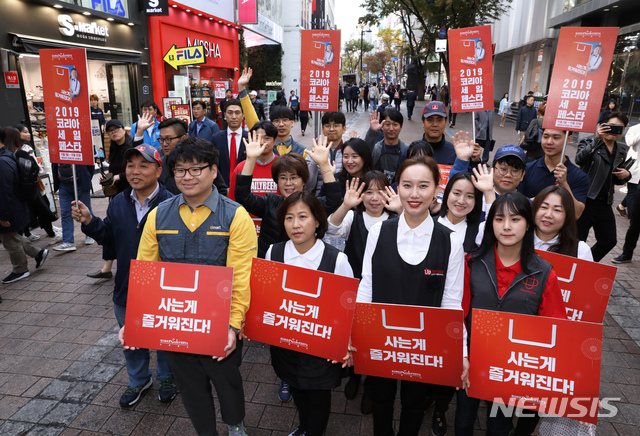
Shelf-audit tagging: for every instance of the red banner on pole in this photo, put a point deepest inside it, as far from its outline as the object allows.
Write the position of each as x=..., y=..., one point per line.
x=580, y=72
x=471, y=66
x=179, y=307
x=301, y=309
x=320, y=70
x=413, y=343
x=247, y=12
x=586, y=286
x=66, y=105
x=537, y=363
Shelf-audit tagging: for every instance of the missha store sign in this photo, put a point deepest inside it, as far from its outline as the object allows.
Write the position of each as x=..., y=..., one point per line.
x=82, y=29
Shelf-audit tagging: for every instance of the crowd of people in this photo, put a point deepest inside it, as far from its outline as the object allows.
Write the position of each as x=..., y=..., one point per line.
x=378, y=196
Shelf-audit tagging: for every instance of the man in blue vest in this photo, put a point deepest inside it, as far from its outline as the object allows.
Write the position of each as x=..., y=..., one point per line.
x=178, y=231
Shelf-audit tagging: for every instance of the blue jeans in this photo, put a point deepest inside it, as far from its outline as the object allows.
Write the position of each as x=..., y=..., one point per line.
x=374, y=104
x=138, y=360
x=66, y=197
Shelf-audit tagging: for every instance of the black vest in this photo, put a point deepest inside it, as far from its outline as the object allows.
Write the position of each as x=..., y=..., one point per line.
x=397, y=282
x=357, y=242
x=300, y=370
x=524, y=294
x=469, y=243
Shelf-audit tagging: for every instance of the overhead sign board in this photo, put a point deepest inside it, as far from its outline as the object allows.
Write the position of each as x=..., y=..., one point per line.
x=183, y=56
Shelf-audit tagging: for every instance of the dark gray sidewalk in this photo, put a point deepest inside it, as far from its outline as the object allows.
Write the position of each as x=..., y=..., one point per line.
x=62, y=371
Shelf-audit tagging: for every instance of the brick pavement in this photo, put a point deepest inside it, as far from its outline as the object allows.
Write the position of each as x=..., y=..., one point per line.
x=62, y=371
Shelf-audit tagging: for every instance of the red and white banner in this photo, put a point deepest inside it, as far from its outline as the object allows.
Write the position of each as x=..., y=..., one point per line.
x=586, y=286
x=66, y=105
x=580, y=73
x=301, y=309
x=320, y=70
x=538, y=363
x=247, y=11
x=445, y=171
x=413, y=343
x=182, y=111
x=178, y=307
x=471, y=68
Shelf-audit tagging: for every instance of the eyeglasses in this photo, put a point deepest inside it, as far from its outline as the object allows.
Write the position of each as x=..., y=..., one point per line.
x=292, y=179
x=167, y=140
x=504, y=171
x=193, y=171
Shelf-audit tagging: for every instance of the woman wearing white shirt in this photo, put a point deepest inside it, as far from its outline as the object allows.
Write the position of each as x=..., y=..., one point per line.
x=398, y=252
x=310, y=378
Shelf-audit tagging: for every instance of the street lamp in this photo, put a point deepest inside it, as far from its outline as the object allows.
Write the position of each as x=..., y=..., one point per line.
x=361, y=26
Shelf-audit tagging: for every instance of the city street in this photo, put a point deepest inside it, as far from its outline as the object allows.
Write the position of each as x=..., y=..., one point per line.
x=62, y=370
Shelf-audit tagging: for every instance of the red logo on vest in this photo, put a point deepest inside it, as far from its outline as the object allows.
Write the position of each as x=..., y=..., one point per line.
x=433, y=272
x=530, y=282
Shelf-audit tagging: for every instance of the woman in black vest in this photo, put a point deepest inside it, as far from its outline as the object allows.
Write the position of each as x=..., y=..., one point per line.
x=310, y=378
x=363, y=206
x=506, y=255
x=397, y=253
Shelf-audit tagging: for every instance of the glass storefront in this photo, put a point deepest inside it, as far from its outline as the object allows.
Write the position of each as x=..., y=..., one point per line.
x=624, y=78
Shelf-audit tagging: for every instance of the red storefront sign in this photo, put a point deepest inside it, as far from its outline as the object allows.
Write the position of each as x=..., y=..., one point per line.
x=537, y=363
x=471, y=66
x=66, y=105
x=580, y=72
x=178, y=307
x=320, y=70
x=11, y=79
x=247, y=12
x=413, y=343
x=301, y=309
x=182, y=111
x=586, y=286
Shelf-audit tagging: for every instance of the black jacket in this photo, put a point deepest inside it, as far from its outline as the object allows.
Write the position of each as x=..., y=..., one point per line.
x=525, y=115
x=593, y=158
x=12, y=208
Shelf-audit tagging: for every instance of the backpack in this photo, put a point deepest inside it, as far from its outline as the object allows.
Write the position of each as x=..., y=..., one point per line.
x=396, y=95
x=372, y=93
x=28, y=178
x=533, y=138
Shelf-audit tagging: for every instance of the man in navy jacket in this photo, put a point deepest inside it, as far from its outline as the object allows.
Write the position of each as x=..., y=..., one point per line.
x=202, y=126
x=122, y=228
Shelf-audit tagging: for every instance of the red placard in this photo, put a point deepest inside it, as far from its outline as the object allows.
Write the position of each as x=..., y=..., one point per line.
x=580, y=72
x=538, y=363
x=320, y=70
x=301, y=309
x=66, y=105
x=413, y=343
x=178, y=307
x=247, y=12
x=586, y=286
x=445, y=170
x=182, y=111
x=11, y=79
x=471, y=66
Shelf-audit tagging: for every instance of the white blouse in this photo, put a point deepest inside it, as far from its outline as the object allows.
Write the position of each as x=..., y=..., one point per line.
x=311, y=259
x=584, y=251
x=344, y=229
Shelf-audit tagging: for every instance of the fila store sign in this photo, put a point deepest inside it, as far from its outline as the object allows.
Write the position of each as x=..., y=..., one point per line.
x=82, y=30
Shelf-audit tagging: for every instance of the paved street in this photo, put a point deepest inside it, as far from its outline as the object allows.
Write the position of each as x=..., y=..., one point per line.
x=62, y=370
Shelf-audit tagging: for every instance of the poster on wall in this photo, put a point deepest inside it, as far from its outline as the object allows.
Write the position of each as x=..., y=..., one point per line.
x=167, y=102
x=66, y=105
x=580, y=73
x=471, y=66
x=182, y=111
x=320, y=70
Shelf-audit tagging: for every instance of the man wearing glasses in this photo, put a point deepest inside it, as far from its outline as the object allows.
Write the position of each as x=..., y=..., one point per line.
x=180, y=230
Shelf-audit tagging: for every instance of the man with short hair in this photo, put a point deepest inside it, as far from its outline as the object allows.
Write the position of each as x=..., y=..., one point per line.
x=192, y=214
x=333, y=127
x=228, y=95
x=150, y=133
x=229, y=142
x=202, y=126
x=526, y=114
x=411, y=101
x=121, y=229
x=258, y=104
x=555, y=169
x=386, y=152
x=14, y=217
x=434, y=121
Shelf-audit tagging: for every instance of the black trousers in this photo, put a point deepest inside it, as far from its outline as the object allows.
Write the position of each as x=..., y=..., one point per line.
x=413, y=398
x=467, y=413
x=410, y=111
x=313, y=407
x=599, y=215
x=633, y=233
x=194, y=373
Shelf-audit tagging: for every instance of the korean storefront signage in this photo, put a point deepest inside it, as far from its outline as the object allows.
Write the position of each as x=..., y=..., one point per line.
x=471, y=65
x=301, y=309
x=11, y=79
x=156, y=7
x=586, y=286
x=320, y=70
x=580, y=72
x=538, y=363
x=66, y=105
x=82, y=29
x=413, y=343
x=180, y=57
x=179, y=307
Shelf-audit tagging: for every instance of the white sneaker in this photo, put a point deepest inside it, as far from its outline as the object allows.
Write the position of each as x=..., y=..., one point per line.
x=88, y=240
x=33, y=237
x=65, y=246
x=55, y=239
x=57, y=229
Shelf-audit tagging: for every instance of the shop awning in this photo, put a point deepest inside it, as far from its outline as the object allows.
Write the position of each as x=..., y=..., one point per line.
x=32, y=44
